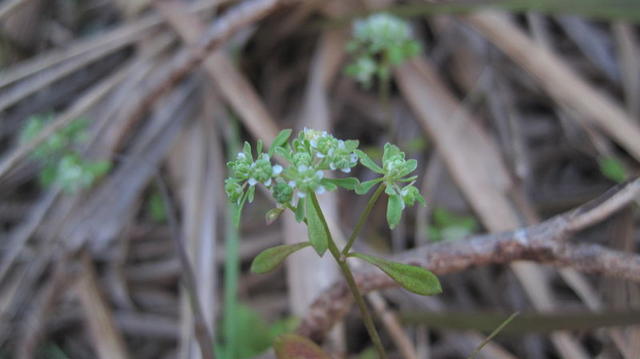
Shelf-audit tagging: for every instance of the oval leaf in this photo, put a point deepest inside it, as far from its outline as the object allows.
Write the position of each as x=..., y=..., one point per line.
x=412, y=278
x=280, y=140
x=271, y=258
x=368, y=162
x=292, y=346
x=365, y=186
x=395, y=205
x=349, y=183
x=299, y=210
x=315, y=228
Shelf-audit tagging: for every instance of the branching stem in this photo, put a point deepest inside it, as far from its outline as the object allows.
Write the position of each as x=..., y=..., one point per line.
x=363, y=218
x=351, y=283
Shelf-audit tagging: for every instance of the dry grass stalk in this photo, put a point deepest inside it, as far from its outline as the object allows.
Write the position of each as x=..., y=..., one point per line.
x=106, y=336
x=559, y=80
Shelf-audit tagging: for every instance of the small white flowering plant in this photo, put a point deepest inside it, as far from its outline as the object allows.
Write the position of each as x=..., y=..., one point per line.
x=305, y=171
x=62, y=164
x=378, y=43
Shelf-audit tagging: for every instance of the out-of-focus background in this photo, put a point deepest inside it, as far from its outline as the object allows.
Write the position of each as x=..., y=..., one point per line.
x=117, y=119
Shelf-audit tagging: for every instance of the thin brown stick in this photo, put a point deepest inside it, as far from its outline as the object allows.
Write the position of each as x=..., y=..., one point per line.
x=545, y=243
x=107, y=338
x=224, y=27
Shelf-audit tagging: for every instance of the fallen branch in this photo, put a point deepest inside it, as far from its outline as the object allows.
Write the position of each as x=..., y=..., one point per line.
x=544, y=243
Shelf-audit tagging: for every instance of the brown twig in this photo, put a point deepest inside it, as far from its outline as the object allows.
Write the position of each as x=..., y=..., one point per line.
x=545, y=243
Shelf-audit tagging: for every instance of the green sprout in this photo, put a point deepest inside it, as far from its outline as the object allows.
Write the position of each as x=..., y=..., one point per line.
x=305, y=171
x=379, y=42
x=62, y=164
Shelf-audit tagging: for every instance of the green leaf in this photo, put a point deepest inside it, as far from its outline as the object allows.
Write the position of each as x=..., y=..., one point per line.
x=328, y=185
x=365, y=186
x=612, y=168
x=273, y=214
x=271, y=258
x=395, y=205
x=410, y=166
x=299, y=212
x=317, y=234
x=284, y=152
x=368, y=162
x=246, y=149
x=259, y=146
x=251, y=331
x=349, y=183
x=280, y=140
x=412, y=278
x=390, y=151
x=293, y=346
x=251, y=192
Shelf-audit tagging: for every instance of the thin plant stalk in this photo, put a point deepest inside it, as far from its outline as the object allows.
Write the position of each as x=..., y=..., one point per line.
x=232, y=262
x=230, y=285
x=384, y=95
x=351, y=283
x=363, y=218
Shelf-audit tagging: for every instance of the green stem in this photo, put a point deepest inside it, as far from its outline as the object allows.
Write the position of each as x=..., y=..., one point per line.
x=351, y=282
x=232, y=262
x=384, y=94
x=363, y=218
x=230, y=287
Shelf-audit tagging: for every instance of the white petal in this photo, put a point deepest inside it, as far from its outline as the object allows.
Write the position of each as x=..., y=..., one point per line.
x=302, y=168
x=292, y=184
x=241, y=155
x=319, y=174
x=268, y=182
x=277, y=169
x=252, y=181
x=320, y=190
x=319, y=155
x=345, y=170
x=301, y=194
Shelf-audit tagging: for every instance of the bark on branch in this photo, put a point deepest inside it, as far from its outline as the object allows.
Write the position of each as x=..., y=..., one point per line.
x=546, y=242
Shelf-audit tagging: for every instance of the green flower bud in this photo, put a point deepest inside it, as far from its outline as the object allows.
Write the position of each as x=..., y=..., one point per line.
x=233, y=190
x=262, y=169
x=282, y=192
x=301, y=159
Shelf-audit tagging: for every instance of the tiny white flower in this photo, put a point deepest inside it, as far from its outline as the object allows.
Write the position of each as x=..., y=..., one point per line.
x=354, y=158
x=319, y=174
x=241, y=156
x=313, y=143
x=302, y=168
x=277, y=169
x=268, y=182
x=301, y=194
x=320, y=190
x=292, y=184
x=345, y=170
x=341, y=144
x=252, y=181
x=319, y=155
x=332, y=166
